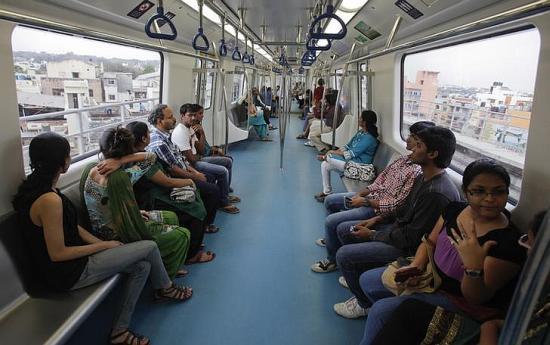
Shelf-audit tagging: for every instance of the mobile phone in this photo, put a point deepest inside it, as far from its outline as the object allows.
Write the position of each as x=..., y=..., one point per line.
x=352, y=228
x=403, y=274
x=347, y=201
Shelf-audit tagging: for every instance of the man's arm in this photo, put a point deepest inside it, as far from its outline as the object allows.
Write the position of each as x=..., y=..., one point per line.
x=190, y=156
x=200, y=145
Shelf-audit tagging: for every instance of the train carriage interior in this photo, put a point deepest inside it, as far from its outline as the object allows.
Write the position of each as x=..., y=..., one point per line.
x=403, y=140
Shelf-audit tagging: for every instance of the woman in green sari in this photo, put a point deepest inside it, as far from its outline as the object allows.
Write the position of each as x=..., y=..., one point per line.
x=112, y=209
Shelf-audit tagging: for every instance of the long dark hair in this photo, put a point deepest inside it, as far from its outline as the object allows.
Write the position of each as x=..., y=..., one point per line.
x=138, y=129
x=116, y=142
x=370, y=118
x=48, y=153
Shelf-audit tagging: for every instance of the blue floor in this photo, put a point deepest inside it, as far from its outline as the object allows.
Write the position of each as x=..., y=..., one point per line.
x=260, y=289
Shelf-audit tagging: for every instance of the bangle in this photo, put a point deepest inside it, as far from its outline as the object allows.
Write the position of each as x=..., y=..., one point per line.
x=473, y=273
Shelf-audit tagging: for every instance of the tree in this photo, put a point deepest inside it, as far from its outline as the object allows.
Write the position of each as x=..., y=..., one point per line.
x=148, y=69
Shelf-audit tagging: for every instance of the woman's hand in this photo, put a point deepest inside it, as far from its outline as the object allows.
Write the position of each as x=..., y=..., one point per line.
x=145, y=215
x=466, y=243
x=111, y=244
x=108, y=166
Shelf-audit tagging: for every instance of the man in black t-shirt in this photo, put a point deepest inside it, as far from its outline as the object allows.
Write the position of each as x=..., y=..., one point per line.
x=390, y=238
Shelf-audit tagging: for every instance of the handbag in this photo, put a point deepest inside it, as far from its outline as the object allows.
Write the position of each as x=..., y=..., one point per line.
x=429, y=281
x=358, y=171
x=183, y=194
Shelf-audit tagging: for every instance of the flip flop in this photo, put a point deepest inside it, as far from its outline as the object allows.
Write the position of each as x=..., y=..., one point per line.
x=230, y=209
x=233, y=199
x=181, y=273
x=202, y=258
x=211, y=229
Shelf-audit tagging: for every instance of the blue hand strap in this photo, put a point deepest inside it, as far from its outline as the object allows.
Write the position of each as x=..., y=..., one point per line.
x=200, y=34
x=160, y=16
x=246, y=58
x=311, y=45
x=236, y=55
x=328, y=15
x=223, y=48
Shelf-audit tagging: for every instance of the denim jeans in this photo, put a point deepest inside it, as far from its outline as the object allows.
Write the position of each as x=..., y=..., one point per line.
x=335, y=202
x=220, y=175
x=337, y=227
x=136, y=260
x=384, y=302
x=354, y=259
x=224, y=161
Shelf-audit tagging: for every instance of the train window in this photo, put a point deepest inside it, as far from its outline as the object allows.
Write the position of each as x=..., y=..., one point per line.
x=364, y=96
x=482, y=90
x=209, y=86
x=338, y=78
x=77, y=87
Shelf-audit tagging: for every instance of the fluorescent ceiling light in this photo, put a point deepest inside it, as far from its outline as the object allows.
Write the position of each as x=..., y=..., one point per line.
x=352, y=5
x=334, y=27
x=230, y=29
x=206, y=11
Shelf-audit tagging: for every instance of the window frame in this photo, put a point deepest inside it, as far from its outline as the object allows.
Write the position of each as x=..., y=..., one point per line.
x=90, y=153
x=498, y=33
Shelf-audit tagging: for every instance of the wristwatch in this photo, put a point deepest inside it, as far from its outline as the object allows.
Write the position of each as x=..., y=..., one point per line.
x=473, y=273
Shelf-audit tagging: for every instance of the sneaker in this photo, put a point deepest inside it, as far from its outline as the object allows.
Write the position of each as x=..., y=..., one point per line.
x=309, y=143
x=324, y=266
x=320, y=242
x=350, y=309
x=343, y=282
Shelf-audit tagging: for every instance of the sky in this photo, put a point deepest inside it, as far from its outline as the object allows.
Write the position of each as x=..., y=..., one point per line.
x=511, y=59
x=25, y=39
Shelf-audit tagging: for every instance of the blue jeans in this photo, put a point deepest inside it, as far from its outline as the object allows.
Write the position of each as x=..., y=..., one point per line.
x=220, y=175
x=354, y=259
x=337, y=227
x=224, y=161
x=384, y=302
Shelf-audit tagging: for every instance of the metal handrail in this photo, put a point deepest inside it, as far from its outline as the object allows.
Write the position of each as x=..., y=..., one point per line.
x=86, y=32
x=336, y=116
x=487, y=22
x=81, y=110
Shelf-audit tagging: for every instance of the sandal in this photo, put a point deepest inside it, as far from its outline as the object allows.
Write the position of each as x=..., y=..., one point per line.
x=201, y=257
x=211, y=229
x=181, y=273
x=174, y=293
x=233, y=199
x=129, y=339
x=231, y=209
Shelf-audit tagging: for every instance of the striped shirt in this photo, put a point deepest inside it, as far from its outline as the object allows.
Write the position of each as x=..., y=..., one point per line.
x=165, y=150
x=392, y=186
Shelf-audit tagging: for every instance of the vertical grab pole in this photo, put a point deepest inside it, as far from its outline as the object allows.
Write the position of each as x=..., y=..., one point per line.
x=283, y=119
x=223, y=103
x=336, y=117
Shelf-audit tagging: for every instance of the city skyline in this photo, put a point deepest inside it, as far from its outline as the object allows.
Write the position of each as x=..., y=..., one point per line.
x=480, y=63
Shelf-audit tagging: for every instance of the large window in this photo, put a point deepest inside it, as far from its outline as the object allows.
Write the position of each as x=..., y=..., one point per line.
x=483, y=91
x=58, y=77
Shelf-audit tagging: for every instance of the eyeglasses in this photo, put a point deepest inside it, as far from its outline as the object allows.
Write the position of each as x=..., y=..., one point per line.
x=522, y=241
x=482, y=193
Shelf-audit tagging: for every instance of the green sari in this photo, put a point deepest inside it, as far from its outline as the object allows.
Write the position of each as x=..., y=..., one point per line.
x=129, y=225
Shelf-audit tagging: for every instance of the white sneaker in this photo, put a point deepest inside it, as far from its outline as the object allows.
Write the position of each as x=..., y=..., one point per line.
x=350, y=309
x=320, y=242
x=343, y=282
x=309, y=143
x=324, y=266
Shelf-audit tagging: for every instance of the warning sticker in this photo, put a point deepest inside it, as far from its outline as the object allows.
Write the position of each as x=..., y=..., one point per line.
x=366, y=30
x=140, y=9
x=409, y=9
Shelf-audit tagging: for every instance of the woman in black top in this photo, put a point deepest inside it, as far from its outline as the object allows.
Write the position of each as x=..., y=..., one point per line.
x=69, y=257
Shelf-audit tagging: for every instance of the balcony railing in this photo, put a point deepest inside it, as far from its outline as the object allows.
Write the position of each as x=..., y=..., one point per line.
x=492, y=132
x=84, y=134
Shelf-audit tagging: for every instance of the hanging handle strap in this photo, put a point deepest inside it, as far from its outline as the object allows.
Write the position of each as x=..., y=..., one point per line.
x=223, y=47
x=160, y=16
x=246, y=58
x=200, y=34
x=311, y=45
x=328, y=15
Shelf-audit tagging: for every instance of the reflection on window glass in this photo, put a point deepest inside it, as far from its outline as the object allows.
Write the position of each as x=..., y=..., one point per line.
x=206, y=84
x=482, y=91
x=58, y=74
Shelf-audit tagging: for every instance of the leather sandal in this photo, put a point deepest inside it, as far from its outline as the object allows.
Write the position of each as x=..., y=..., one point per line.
x=131, y=338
